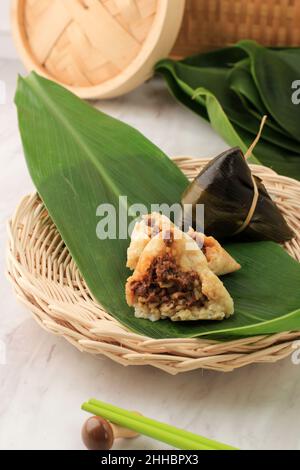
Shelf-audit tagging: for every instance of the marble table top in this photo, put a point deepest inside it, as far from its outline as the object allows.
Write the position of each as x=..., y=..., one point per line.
x=44, y=380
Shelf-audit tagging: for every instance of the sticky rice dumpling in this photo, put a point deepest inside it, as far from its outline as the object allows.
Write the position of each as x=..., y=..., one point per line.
x=172, y=280
x=227, y=189
x=219, y=261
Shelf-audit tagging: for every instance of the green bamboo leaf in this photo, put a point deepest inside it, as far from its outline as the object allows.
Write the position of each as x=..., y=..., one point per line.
x=237, y=58
x=218, y=81
x=220, y=122
x=78, y=158
x=274, y=76
x=241, y=80
x=242, y=83
x=282, y=161
x=204, y=103
x=230, y=118
x=183, y=94
x=224, y=57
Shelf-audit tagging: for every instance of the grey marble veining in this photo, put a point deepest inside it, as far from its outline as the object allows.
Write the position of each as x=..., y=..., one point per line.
x=45, y=379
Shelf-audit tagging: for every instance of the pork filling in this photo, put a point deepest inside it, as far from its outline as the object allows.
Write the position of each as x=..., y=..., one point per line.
x=168, y=288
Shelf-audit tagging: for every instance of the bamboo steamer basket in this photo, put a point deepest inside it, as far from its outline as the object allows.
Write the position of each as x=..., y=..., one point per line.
x=96, y=48
x=47, y=281
x=217, y=23
x=105, y=48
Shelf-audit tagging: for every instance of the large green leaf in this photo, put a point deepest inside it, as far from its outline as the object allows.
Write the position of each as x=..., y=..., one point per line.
x=204, y=103
x=78, y=158
x=242, y=83
x=248, y=81
x=224, y=57
x=283, y=161
x=274, y=77
x=220, y=122
x=218, y=81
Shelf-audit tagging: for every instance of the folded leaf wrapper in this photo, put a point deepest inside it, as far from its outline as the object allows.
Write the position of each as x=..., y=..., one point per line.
x=225, y=187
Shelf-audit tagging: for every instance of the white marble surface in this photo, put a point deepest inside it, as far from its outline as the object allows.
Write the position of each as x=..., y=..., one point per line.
x=45, y=380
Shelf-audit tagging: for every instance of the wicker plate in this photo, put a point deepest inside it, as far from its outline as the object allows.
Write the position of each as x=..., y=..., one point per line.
x=47, y=281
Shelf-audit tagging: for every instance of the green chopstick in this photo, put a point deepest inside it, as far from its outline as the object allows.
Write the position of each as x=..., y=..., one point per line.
x=166, y=427
x=171, y=435
x=146, y=429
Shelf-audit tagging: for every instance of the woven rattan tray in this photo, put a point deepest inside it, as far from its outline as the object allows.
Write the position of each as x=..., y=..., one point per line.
x=216, y=23
x=47, y=281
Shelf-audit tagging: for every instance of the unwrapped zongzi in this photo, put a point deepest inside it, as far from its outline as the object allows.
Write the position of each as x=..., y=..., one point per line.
x=219, y=261
x=172, y=280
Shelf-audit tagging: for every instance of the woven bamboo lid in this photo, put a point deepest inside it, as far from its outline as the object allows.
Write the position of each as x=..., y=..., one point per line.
x=96, y=48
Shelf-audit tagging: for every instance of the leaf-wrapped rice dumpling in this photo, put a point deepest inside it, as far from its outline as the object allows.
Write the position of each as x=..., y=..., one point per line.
x=219, y=261
x=172, y=280
x=236, y=203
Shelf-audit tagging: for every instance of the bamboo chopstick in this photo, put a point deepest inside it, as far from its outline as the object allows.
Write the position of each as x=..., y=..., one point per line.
x=171, y=435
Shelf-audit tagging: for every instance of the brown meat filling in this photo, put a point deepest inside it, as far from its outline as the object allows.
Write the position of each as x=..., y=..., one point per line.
x=165, y=284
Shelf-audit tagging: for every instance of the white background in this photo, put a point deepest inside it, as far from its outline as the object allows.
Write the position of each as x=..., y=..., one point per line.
x=6, y=47
x=4, y=15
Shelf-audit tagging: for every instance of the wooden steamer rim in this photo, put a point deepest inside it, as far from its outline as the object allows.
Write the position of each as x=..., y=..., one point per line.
x=158, y=43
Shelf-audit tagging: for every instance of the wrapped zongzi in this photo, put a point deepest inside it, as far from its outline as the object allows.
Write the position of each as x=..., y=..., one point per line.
x=236, y=203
